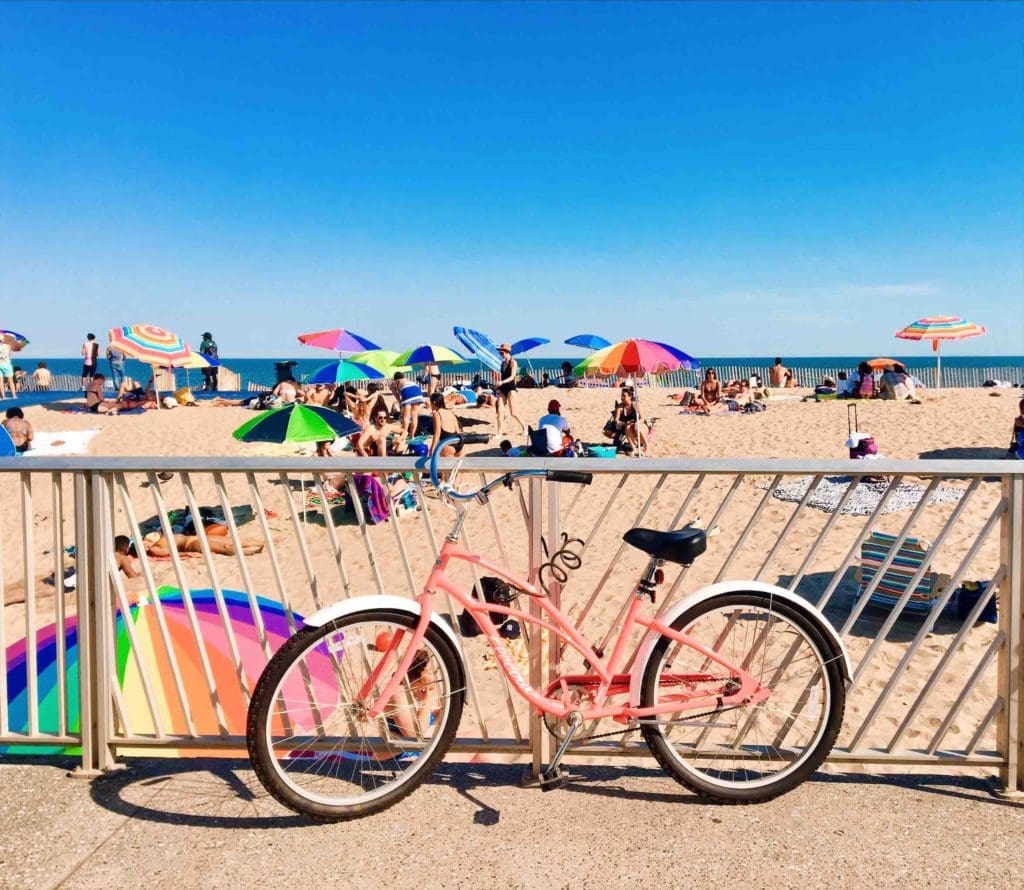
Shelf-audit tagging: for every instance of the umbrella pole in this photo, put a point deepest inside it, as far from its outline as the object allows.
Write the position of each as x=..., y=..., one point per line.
x=938, y=366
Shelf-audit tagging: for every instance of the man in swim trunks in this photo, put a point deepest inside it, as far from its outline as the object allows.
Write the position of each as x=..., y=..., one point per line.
x=373, y=441
x=90, y=359
x=42, y=376
x=778, y=373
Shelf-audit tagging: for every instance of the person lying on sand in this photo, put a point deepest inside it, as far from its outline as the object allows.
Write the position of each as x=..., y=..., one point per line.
x=155, y=544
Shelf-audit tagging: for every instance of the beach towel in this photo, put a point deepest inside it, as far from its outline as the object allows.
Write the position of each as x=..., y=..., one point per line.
x=56, y=444
x=373, y=493
x=864, y=500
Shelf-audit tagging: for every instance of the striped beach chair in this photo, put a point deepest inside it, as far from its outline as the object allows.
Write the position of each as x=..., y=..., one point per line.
x=893, y=584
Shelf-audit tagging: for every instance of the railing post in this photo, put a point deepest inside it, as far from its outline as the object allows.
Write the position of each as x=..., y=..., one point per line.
x=94, y=632
x=1010, y=726
x=537, y=665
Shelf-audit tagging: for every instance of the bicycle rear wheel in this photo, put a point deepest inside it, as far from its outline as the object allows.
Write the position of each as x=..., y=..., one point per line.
x=312, y=744
x=755, y=752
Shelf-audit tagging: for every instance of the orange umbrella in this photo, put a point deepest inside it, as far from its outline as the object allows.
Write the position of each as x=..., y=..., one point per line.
x=877, y=364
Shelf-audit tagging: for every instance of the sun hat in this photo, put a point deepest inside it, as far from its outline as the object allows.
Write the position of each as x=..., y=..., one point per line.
x=505, y=347
x=554, y=405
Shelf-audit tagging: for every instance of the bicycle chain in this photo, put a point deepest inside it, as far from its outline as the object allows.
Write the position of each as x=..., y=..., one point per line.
x=605, y=735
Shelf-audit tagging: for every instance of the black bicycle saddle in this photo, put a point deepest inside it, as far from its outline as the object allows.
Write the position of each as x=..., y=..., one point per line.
x=682, y=546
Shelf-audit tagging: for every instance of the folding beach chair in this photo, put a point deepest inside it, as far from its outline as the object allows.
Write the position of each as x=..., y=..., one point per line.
x=897, y=577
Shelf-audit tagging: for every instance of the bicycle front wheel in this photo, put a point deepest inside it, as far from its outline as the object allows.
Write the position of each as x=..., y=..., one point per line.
x=310, y=740
x=746, y=753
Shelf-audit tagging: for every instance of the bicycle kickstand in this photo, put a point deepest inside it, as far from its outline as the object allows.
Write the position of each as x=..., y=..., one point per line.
x=553, y=777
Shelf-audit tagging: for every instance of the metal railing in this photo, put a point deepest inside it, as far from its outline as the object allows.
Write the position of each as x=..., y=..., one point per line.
x=164, y=662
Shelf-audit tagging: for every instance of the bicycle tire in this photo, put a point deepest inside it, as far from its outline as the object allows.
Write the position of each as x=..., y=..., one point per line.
x=747, y=780
x=329, y=659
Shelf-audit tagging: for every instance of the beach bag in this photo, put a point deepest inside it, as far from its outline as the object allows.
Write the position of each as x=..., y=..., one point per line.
x=967, y=597
x=865, y=447
x=497, y=592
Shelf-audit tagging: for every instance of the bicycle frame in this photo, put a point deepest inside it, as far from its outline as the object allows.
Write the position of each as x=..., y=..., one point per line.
x=605, y=680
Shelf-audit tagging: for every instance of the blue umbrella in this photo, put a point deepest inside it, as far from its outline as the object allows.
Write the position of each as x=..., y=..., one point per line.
x=589, y=341
x=528, y=343
x=343, y=372
x=7, y=448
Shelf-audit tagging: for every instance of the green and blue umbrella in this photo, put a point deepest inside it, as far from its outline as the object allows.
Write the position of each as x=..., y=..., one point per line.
x=344, y=372
x=296, y=423
x=430, y=355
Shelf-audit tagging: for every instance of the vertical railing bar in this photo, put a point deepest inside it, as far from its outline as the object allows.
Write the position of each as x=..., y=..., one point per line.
x=947, y=656
x=215, y=585
x=364, y=531
x=854, y=551
x=87, y=704
x=402, y=552
x=820, y=538
x=60, y=611
x=897, y=608
x=243, y=564
x=332, y=537
x=105, y=686
x=120, y=713
x=300, y=539
x=995, y=708
x=993, y=648
x=581, y=617
x=815, y=482
x=31, y=643
x=147, y=573
x=747, y=529
x=275, y=563
x=1010, y=726
x=186, y=598
x=536, y=665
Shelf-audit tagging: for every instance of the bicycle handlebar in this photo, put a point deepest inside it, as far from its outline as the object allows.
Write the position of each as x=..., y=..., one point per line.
x=571, y=476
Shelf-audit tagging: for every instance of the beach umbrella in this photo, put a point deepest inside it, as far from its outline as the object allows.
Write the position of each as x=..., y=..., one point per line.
x=636, y=357
x=938, y=328
x=588, y=341
x=880, y=364
x=381, y=359
x=338, y=340
x=296, y=423
x=430, y=355
x=14, y=340
x=343, y=372
x=144, y=654
x=528, y=343
x=152, y=345
x=7, y=448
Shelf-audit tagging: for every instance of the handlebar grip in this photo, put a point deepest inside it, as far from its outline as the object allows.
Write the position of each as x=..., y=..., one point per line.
x=573, y=476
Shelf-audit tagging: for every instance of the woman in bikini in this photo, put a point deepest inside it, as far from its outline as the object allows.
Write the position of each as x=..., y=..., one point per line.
x=446, y=425
x=710, y=397
x=507, y=388
x=627, y=418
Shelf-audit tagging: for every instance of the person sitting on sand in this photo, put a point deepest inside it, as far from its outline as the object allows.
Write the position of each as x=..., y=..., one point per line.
x=508, y=450
x=710, y=397
x=288, y=392
x=1016, y=448
x=318, y=394
x=94, y=400
x=377, y=440
x=627, y=419
x=446, y=426
x=778, y=373
x=567, y=380
x=19, y=429
x=155, y=544
x=334, y=483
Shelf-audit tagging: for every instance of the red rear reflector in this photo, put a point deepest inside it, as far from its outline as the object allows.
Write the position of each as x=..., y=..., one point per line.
x=659, y=576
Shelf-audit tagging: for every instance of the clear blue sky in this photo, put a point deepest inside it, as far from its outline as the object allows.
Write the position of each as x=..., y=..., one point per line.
x=735, y=179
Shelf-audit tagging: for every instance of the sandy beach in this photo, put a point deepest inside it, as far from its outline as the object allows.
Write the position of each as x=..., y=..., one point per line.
x=952, y=424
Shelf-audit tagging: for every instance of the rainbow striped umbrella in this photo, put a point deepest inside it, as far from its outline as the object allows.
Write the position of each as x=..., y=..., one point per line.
x=150, y=344
x=937, y=328
x=636, y=357
x=148, y=661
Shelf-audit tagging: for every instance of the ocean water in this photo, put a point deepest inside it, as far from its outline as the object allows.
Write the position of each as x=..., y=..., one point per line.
x=261, y=370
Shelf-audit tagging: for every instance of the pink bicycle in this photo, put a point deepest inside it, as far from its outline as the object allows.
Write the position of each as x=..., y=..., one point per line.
x=738, y=690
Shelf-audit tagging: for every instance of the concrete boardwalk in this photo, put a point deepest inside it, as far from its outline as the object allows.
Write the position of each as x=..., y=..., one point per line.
x=172, y=823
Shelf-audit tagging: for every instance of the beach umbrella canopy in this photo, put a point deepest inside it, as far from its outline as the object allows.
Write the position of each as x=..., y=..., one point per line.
x=430, y=355
x=296, y=423
x=588, y=341
x=338, y=340
x=381, y=359
x=16, y=341
x=528, y=343
x=7, y=448
x=197, y=360
x=879, y=364
x=343, y=372
x=937, y=328
x=150, y=344
x=238, y=622
x=636, y=357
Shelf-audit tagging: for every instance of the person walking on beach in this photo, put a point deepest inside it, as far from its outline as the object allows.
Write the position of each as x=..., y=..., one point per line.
x=116, y=359
x=208, y=347
x=6, y=371
x=90, y=359
x=507, y=387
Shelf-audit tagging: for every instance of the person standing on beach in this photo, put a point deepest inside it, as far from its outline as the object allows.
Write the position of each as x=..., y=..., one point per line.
x=116, y=359
x=6, y=371
x=507, y=387
x=90, y=359
x=208, y=347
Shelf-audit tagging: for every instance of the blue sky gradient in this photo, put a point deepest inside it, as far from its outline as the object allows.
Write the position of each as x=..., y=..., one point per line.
x=735, y=179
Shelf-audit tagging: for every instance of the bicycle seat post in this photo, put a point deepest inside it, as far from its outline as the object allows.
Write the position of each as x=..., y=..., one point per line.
x=649, y=580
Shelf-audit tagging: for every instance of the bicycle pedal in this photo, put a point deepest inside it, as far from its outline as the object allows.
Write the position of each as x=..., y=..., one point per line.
x=552, y=779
